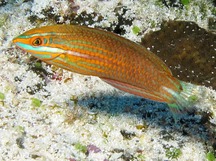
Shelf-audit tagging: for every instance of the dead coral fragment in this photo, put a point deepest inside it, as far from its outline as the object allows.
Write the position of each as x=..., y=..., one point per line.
x=127, y=135
x=188, y=50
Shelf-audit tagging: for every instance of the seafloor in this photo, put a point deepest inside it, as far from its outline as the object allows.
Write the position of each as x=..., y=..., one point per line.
x=48, y=113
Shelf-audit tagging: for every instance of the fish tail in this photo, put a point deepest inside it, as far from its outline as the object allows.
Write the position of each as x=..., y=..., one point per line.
x=185, y=98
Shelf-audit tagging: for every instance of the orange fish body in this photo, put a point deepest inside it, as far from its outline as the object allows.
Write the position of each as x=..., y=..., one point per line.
x=122, y=63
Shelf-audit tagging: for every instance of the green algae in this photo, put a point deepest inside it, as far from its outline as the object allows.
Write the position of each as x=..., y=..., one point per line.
x=36, y=102
x=185, y=2
x=210, y=156
x=2, y=96
x=173, y=153
x=20, y=129
x=136, y=30
x=141, y=157
x=81, y=148
x=38, y=65
x=188, y=50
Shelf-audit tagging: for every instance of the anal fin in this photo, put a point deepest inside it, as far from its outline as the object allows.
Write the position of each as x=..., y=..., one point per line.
x=133, y=89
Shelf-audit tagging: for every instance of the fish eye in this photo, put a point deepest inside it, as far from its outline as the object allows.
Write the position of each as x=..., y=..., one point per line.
x=37, y=42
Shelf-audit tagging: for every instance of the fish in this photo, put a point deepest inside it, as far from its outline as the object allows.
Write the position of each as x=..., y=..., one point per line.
x=122, y=63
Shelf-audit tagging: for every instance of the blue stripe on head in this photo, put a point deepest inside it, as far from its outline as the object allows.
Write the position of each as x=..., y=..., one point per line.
x=40, y=48
x=49, y=50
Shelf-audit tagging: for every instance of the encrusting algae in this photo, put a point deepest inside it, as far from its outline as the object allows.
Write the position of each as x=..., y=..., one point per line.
x=188, y=50
x=122, y=63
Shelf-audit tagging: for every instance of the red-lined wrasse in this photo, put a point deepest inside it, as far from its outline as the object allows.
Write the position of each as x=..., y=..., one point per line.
x=122, y=63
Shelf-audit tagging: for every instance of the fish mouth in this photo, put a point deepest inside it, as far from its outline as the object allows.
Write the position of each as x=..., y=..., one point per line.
x=14, y=40
x=17, y=45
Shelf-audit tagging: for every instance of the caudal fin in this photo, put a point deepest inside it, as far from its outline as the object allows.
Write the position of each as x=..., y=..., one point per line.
x=186, y=98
